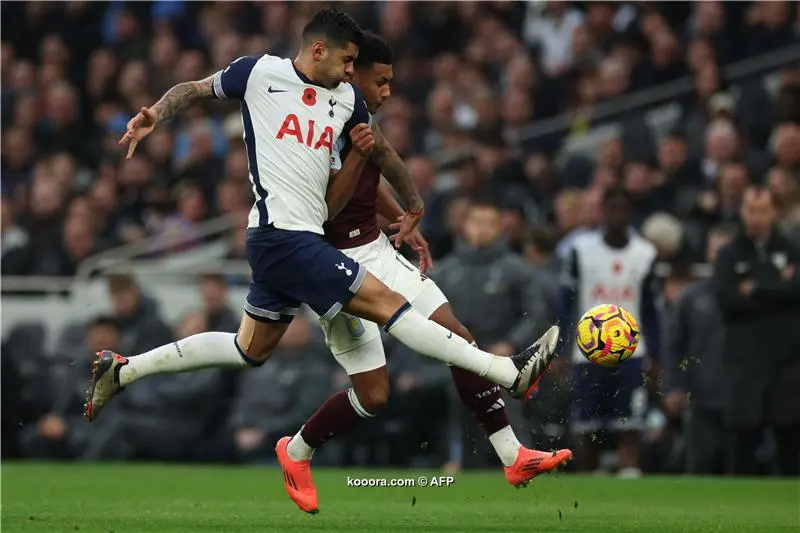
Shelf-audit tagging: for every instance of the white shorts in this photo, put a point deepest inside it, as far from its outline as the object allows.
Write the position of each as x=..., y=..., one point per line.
x=356, y=343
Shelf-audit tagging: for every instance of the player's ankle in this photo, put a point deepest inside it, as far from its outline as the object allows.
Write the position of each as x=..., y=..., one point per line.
x=298, y=449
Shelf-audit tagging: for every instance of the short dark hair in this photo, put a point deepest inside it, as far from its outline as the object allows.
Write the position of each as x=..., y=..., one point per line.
x=544, y=238
x=617, y=192
x=213, y=278
x=484, y=201
x=336, y=26
x=121, y=283
x=374, y=49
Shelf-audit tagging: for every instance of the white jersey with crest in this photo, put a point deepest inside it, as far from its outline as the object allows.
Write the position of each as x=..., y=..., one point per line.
x=290, y=126
x=601, y=274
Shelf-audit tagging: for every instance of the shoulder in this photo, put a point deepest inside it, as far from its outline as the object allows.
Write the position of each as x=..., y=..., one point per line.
x=233, y=80
x=273, y=66
x=586, y=240
x=348, y=93
x=643, y=247
x=516, y=264
x=354, y=100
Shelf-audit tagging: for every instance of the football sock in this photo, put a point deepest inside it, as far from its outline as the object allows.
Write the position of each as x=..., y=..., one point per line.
x=204, y=350
x=338, y=414
x=482, y=397
x=429, y=338
x=506, y=444
x=298, y=449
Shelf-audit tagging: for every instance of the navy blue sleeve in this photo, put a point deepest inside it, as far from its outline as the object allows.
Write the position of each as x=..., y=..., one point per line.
x=568, y=298
x=650, y=323
x=360, y=113
x=232, y=82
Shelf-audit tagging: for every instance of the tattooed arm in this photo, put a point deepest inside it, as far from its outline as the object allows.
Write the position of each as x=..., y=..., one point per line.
x=396, y=173
x=230, y=83
x=182, y=96
x=175, y=100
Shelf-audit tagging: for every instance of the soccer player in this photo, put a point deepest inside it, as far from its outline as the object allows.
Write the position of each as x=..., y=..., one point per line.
x=293, y=112
x=357, y=344
x=611, y=265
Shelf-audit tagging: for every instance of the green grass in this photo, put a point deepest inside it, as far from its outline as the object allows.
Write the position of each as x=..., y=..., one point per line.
x=60, y=498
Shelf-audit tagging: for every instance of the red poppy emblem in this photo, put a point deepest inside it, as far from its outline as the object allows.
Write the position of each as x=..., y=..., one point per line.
x=310, y=96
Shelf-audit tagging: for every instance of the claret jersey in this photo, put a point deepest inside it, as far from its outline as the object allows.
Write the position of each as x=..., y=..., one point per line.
x=290, y=126
x=357, y=223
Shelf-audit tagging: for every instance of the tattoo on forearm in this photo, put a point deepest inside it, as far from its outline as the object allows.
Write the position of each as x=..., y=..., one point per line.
x=183, y=96
x=396, y=173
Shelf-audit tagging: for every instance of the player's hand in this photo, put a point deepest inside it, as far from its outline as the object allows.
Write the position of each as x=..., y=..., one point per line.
x=419, y=245
x=405, y=224
x=363, y=140
x=139, y=127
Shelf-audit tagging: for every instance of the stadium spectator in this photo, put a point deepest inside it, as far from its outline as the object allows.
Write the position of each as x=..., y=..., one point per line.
x=784, y=185
x=167, y=418
x=218, y=314
x=487, y=284
x=13, y=240
x=273, y=400
x=137, y=315
x=759, y=294
x=693, y=368
x=62, y=433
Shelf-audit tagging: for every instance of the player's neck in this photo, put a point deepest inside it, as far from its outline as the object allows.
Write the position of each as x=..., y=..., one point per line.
x=305, y=65
x=616, y=240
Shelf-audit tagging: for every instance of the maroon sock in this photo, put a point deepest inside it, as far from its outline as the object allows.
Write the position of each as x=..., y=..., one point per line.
x=482, y=397
x=338, y=414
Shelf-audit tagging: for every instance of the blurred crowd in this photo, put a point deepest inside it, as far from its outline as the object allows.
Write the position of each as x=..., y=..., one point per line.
x=471, y=78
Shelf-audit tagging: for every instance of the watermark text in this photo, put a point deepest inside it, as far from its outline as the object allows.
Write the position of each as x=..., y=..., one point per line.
x=419, y=481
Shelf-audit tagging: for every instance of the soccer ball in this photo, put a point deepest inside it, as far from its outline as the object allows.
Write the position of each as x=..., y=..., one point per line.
x=607, y=335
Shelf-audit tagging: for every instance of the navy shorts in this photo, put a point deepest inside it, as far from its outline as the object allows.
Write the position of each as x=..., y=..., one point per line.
x=295, y=267
x=612, y=399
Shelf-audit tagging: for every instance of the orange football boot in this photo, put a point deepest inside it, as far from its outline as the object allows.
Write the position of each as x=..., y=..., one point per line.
x=531, y=463
x=297, y=479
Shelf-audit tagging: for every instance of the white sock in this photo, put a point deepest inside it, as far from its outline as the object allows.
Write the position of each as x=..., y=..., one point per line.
x=431, y=339
x=298, y=449
x=204, y=350
x=505, y=443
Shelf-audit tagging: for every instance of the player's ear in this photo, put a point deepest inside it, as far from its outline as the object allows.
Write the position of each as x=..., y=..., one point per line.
x=318, y=50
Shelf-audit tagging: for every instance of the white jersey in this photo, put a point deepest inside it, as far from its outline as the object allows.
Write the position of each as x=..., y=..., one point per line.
x=600, y=274
x=290, y=126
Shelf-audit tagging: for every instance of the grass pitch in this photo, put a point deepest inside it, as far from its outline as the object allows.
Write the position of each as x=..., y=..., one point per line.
x=61, y=498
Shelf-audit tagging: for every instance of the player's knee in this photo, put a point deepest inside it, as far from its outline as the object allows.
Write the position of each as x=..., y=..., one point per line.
x=259, y=355
x=462, y=331
x=372, y=390
x=253, y=355
x=444, y=317
x=375, y=399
